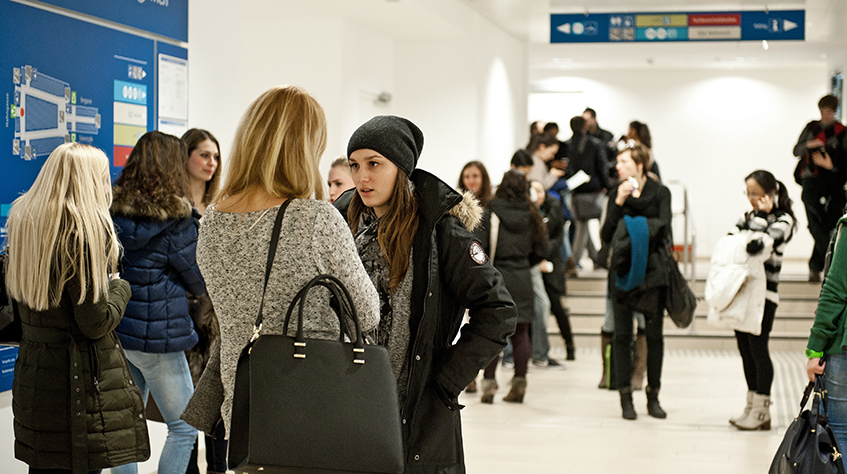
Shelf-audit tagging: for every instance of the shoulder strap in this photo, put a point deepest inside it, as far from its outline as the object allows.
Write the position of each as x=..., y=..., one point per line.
x=271, y=254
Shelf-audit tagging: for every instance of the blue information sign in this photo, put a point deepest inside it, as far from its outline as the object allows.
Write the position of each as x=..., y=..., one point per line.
x=163, y=17
x=678, y=26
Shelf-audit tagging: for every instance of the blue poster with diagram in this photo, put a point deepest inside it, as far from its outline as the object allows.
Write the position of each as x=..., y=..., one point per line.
x=64, y=79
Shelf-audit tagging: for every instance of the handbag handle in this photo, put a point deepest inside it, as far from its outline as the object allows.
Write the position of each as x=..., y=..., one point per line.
x=257, y=326
x=339, y=291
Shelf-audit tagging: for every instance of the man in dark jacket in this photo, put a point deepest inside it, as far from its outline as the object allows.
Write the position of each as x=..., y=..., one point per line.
x=822, y=171
x=605, y=137
x=586, y=155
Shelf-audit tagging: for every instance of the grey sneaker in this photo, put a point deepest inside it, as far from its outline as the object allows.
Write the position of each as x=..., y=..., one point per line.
x=550, y=364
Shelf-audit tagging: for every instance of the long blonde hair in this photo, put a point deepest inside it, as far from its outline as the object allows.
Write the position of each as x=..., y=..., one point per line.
x=61, y=231
x=278, y=147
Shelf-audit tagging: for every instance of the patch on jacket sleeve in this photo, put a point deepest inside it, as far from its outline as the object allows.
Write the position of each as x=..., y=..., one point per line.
x=477, y=253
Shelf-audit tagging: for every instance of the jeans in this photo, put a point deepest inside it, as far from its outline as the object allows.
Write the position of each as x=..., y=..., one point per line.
x=836, y=388
x=540, y=339
x=609, y=322
x=582, y=241
x=168, y=378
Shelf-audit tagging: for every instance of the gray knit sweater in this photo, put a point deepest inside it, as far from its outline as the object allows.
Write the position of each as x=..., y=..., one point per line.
x=232, y=252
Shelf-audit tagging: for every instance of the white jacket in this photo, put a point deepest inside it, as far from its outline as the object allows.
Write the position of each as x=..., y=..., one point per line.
x=736, y=286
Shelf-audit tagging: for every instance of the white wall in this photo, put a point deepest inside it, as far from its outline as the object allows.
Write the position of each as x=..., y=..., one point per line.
x=710, y=129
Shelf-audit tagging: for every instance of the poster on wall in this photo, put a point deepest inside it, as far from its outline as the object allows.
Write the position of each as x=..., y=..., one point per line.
x=72, y=81
x=64, y=79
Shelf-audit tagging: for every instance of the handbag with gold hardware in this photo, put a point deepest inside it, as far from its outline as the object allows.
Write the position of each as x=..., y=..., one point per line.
x=314, y=405
x=809, y=445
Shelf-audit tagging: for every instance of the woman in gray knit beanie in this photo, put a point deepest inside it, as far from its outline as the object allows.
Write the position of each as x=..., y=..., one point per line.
x=413, y=233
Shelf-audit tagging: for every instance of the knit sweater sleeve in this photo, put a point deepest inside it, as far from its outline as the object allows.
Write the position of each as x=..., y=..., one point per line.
x=337, y=256
x=829, y=315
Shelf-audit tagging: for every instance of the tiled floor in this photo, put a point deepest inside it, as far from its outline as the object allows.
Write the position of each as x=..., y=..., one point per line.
x=567, y=425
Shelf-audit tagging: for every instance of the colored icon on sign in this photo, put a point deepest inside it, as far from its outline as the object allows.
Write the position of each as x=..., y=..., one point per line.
x=13, y=111
x=73, y=97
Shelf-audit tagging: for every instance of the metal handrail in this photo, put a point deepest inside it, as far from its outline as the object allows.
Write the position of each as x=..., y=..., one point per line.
x=689, y=240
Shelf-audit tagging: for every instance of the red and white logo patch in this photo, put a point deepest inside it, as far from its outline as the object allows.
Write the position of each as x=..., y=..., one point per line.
x=477, y=253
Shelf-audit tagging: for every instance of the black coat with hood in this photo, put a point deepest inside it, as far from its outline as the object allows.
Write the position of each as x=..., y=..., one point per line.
x=450, y=273
x=516, y=250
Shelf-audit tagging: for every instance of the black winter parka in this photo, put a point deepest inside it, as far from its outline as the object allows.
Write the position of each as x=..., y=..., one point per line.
x=451, y=273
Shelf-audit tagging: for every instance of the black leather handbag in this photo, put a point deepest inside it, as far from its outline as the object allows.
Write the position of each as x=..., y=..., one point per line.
x=313, y=405
x=680, y=301
x=809, y=445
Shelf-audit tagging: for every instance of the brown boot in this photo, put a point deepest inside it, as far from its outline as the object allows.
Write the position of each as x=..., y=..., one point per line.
x=489, y=388
x=471, y=388
x=639, y=363
x=517, y=391
x=605, y=342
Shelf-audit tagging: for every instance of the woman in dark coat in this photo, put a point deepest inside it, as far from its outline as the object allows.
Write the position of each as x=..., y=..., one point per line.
x=520, y=242
x=75, y=405
x=639, y=195
x=158, y=230
x=412, y=233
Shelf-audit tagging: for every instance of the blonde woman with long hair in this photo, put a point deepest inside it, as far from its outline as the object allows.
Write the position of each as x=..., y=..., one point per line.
x=273, y=169
x=75, y=405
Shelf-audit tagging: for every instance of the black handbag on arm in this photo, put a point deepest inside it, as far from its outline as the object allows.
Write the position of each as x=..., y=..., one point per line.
x=809, y=445
x=314, y=405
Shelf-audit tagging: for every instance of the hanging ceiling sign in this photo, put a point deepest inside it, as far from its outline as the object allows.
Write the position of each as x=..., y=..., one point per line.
x=663, y=27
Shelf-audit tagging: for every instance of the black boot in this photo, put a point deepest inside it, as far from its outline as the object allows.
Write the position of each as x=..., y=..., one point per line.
x=653, y=407
x=626, y=404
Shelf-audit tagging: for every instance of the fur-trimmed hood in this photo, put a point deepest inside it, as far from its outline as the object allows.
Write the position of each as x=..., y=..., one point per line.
x=133, y=204
x=469, y=211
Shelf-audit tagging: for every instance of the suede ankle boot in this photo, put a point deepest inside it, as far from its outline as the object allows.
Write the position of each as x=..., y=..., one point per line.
x=639, y=362
x=653, y=407
x=626, y=404
x=517, y=391
x=605, y=342
x=489, y=388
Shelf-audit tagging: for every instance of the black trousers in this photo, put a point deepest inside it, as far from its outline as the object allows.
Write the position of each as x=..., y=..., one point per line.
x=622, y=353
x=560, y=312
x=822, y=217
x=755, y=356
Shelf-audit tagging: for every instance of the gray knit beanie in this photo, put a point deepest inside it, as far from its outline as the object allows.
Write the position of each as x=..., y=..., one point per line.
x=396, y=138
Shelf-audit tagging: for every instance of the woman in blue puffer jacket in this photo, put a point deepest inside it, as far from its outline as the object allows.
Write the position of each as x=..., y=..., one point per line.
x=158, y=232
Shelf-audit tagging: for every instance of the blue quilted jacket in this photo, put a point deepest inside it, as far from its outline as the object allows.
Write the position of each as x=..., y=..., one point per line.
x=159, y=241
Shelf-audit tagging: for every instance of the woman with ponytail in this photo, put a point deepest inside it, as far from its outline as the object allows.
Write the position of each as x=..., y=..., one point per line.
x=772, y=216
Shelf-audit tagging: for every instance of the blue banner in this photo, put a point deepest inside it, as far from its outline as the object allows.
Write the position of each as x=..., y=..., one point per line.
x=163, y=17
x=678, y=26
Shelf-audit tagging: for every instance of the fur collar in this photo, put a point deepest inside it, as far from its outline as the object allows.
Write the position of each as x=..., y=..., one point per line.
x=469, y=211
x=134, y=204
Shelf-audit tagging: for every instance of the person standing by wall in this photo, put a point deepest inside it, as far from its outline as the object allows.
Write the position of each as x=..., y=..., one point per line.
x=822, y=172
x=76, y=407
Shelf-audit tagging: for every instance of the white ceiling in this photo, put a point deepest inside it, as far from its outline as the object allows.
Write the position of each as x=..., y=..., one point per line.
x=529, y=20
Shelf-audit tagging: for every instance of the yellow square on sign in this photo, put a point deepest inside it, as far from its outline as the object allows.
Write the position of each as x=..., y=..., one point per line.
x=653, y=21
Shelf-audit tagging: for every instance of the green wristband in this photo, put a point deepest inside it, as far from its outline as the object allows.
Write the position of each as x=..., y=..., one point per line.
x=810, y=354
